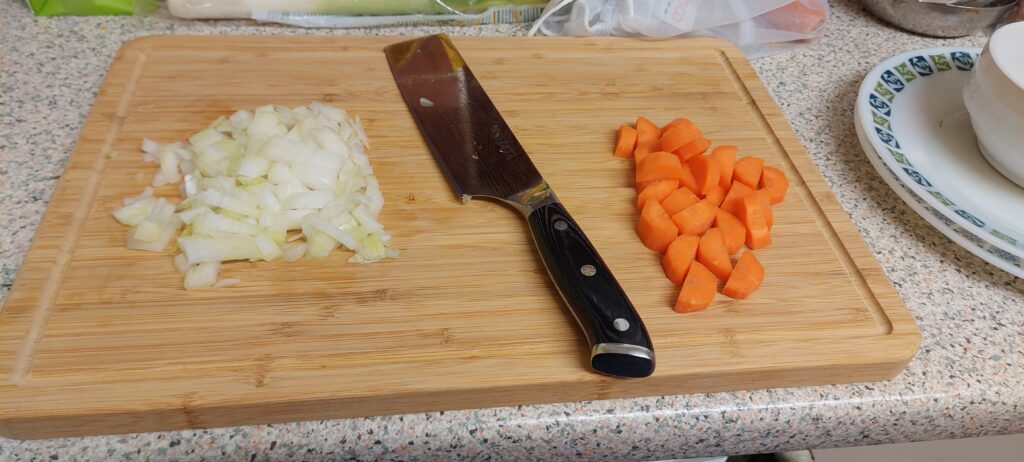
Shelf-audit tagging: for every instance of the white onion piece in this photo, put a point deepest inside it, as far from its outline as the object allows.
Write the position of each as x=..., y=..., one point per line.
x=181, y=263
x=294, y=251
x=227, y=282
x=202, y=275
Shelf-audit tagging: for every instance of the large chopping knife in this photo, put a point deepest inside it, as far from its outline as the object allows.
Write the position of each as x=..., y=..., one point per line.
x=481, y=158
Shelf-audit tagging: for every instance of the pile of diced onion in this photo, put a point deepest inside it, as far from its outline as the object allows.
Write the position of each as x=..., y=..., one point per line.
x=274, y=183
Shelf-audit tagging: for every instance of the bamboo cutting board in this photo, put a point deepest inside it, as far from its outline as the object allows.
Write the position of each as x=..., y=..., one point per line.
x=96, y=338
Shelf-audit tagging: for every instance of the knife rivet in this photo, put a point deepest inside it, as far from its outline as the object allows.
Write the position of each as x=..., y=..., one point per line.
x=588, y=270
x=561, y=225
x=620, y=324
x=426, y=102
x=475, y=157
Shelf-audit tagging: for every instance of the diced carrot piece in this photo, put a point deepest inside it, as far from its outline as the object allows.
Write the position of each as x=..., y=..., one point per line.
x=766, y=204
x=747, y=170
x=678, y=136
x=695, y=219
x=733, y=231
x=712, y=254
x=655, y=227
x=657, y=190
x=659, y=166
x=641, y=152
x=698, y=289
x=736, y=192
x=679, y=200
x=775, y=182
x=678, y=256
x=716, y=195
x=687, y=180
x=726, y=158
x=706, y=172
x=746, y=277
x=647, y=135
x=693, y=148
x=751, y=212
x=625, y=140
x=674, y=123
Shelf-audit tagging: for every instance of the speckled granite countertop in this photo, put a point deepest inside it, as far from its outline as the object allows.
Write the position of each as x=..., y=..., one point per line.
x=965, y=381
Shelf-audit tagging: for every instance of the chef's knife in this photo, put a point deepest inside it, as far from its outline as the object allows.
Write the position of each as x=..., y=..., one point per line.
x=482, y=158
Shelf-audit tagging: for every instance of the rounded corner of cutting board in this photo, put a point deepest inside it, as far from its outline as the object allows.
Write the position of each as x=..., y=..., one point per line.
x=141, y=44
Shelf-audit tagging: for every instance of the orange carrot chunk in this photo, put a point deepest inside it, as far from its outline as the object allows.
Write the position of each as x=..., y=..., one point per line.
x=766, y=204
x=716, y=195
x=712, y=253
x=747, y=170
x=746, y=277
x=625, y=140
x=726, y=158
x=732, y=198
x=679, y=200
x=641, y=152
x=751, y=212
x=655, y=227
x=698, y=289
x=693, y=148
x=695, y=219
x=657, y=190
x=659, y=166
x=733, y=231
x=678, y=136
x=647, y=135
x=675, y=123
x=678, y=256
x=775, y=182
x=705, y=171
x=687, y=180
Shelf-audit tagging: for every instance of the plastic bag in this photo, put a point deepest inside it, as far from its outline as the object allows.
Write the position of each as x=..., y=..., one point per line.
x=758, y=27
x=80, y=7
x=362, y=13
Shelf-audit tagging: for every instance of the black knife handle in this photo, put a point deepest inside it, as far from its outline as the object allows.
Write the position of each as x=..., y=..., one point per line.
x=618, y=339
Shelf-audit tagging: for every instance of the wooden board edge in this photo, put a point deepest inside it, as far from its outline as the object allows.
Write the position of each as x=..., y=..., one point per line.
x=128, y=63
x=188, y=416
x=865, y=269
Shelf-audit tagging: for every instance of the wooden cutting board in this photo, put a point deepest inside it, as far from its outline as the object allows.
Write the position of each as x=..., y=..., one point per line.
x=96, y=338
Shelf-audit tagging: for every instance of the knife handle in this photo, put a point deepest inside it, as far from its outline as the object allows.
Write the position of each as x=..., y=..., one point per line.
x=618, y=339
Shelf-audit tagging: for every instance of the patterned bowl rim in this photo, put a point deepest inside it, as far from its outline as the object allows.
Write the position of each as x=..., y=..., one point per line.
x=880, y=88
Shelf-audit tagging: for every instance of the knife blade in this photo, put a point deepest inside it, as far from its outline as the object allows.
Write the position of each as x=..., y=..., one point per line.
x=480, y=156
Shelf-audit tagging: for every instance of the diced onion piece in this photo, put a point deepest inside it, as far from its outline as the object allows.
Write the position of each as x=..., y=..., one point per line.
x=269, y=249
x=202, y=275
x=294, y=251
x=133, y=214
x=227, y=282
x=181, y=263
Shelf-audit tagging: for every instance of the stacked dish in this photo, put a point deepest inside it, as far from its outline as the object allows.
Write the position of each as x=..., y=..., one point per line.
x=915, y=130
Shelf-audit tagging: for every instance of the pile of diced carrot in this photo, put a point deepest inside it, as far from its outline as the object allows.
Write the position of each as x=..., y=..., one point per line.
x=699, y=210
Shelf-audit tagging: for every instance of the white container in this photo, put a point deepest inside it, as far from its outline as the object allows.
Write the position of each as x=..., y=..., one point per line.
x=994, y=96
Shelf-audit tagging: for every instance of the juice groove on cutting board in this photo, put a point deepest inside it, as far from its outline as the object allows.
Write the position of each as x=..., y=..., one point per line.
x=467, y=317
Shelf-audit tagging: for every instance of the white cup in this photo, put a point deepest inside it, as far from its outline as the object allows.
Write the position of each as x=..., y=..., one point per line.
x=994, y=96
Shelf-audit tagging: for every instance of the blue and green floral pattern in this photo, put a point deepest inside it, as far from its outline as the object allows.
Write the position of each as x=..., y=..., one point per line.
x=1011, y=260
x=886, y=90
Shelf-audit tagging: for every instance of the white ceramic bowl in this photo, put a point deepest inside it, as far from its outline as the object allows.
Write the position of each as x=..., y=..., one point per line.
x=994, y=97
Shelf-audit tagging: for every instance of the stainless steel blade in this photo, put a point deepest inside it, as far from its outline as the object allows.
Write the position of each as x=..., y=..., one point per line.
x=462, y=128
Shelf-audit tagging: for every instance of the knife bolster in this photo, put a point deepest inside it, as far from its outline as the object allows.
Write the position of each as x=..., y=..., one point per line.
x=622, y=360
